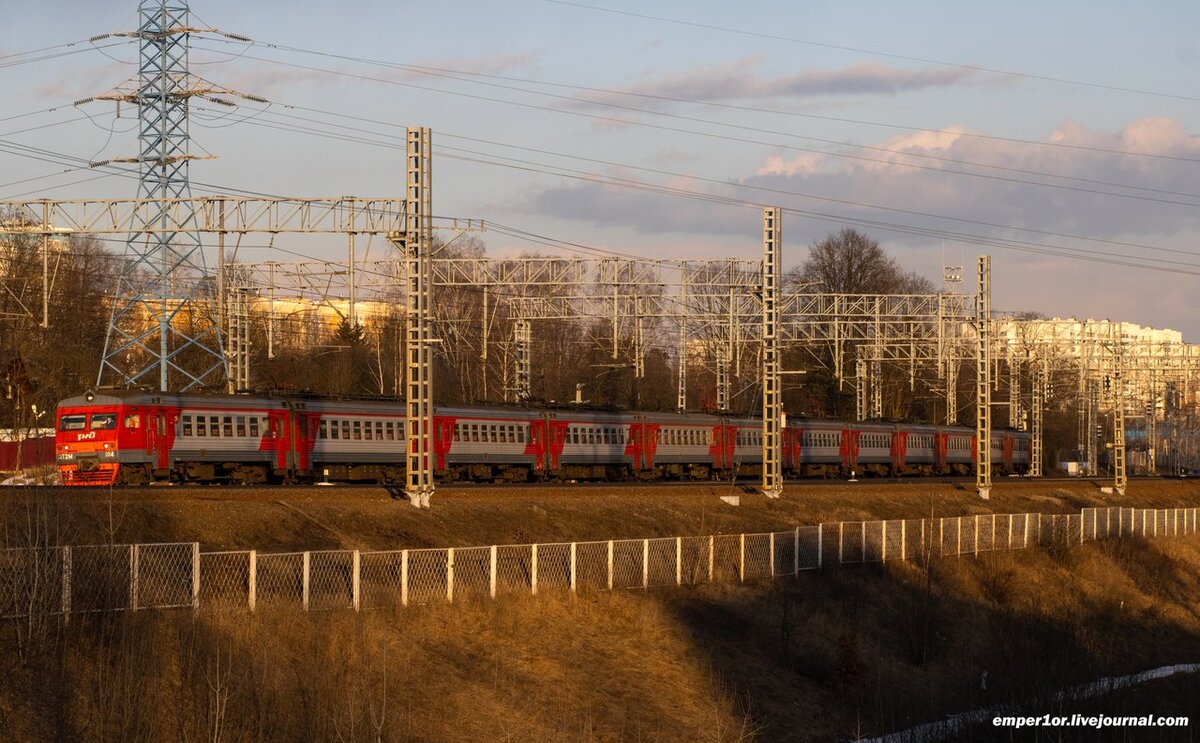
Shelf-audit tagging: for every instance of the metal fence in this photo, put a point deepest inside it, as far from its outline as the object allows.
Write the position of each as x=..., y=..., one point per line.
x=66, y=580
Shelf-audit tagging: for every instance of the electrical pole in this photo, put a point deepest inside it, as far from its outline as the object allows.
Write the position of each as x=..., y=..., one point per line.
x=772, y=472
x=983, y=382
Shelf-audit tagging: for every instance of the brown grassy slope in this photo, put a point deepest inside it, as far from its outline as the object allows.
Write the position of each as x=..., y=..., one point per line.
x=369, y=518
x=828, y=656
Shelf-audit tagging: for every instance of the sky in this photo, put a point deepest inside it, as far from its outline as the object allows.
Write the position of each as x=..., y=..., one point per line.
x=1063, y=139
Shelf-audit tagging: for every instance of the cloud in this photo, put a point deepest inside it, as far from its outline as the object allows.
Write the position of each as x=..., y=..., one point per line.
x=742, y=80
x=1011, y=200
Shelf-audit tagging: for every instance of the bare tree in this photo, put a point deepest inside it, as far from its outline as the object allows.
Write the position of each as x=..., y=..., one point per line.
x=849, y=262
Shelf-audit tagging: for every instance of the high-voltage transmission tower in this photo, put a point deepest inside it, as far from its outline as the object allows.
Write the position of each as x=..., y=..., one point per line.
x=156, y=322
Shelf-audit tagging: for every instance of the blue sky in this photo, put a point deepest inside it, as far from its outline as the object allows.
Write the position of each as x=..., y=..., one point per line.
x=750, y=118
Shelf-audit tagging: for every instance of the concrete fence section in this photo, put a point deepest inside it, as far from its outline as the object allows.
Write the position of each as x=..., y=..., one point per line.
x=106, y=578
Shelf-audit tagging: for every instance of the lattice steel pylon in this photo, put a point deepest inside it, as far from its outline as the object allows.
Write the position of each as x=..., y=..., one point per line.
x=156, y=322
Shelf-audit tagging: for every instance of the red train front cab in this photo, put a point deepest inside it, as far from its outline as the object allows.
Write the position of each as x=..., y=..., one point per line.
x=94, y=434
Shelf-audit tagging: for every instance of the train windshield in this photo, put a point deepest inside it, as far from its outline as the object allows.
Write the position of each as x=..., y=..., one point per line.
x=104, y=421
x=72, y=422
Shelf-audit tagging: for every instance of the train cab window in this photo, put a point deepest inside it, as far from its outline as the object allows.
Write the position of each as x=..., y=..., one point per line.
x=104, y=421
x=185, y=425
x=241, y=425
x=254, y=427
x=133, y=421
x=72, y=422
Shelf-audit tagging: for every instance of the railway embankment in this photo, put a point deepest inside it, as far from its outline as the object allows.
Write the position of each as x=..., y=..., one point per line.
x=377, y=518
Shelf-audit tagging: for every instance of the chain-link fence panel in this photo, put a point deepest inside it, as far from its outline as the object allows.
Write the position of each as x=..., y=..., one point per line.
x=591, y=566
x=757, y=556
x=812, y=545
x=852, y=540
x=664, y=567
x=695, y=553
x=872, y=541
x=427, y=575
x=331, y=580
x=629, y=563
x=225, y=579
x=786, y=552
x=381, y=578
x=165, y=575
x=32, y=581
x=472, y=571
x=895, y=538
x=514, y=568
x=101, y=577
x=949, y=535
x=553, y=567
x=727, y=558
x=279, y=580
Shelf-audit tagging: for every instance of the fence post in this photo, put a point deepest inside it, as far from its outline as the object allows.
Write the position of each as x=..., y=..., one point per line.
x=66, y=583
x=958, y=548
x=492, y=574
x=679, y=561
x=942, y=536
x=133, y=577
x=883, y=540
x=1010, y=526
x=796, y=551
x=404, y=578
x=771, y=546
x=450, y=575
x=712, y=556
x=252, y=579
x=741, y=557
x=610, y=564
x=307, y=576
x=976, y=534
x=195, y=575
x=862, y=555
x=533, y=574
x=645, y=563
x=820, y=544
x=1083, y=527
x=573, y=573
x=841, y=542
x=356, y=580
x=903, y=539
